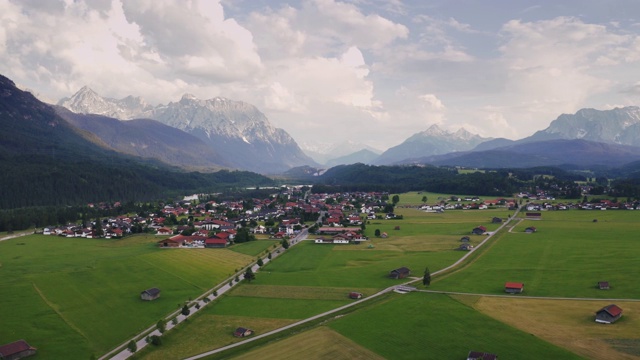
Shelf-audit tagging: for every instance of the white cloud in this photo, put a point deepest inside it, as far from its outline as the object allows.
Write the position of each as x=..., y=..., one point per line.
x=433, y=101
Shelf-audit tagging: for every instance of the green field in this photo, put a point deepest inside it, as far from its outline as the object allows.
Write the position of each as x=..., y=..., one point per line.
x=254, y=248
x=59, y=291
x=432, y=326
x=566, y=257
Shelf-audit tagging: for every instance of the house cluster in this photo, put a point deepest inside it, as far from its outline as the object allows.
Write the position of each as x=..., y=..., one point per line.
x=336, y=235
x=603, y=204
x=113, y=227
x=471, y=203
x=199, y=239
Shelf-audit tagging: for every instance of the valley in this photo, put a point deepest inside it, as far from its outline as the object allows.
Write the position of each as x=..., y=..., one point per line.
x=310, y=278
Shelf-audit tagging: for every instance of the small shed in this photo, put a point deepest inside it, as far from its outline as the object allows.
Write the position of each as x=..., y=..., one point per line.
x=150, y=294
x=465, y=247
x=496, y=220
x=479, y=355
x=603, y=285
x=465, y=239
x=530, y=230
x=399, y=273
x=242, y=332
x=16, y=350
x=513, y=287
x=355, y=295
x=608, y=314
x=479, y=230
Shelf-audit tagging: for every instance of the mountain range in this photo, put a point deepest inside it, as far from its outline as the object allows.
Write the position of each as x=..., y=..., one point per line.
x=238, y=132
x=239, y=136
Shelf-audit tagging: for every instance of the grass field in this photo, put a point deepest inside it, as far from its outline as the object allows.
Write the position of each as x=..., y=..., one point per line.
x=431, y=326
x=566, y=257
x=571, y=324
x=59, y=291
x=316, y=344
x=254, y=248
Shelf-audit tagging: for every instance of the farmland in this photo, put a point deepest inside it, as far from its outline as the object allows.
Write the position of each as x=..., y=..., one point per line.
x=59, y=291
x=567, y=255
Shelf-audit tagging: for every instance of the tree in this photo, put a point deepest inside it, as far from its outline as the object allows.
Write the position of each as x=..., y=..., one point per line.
x=395, y=199
x=156, y=340
x=260, y=262
x=249, y=275
x=162, y=326
x=426, y=280
x=285, y=243
x=377, y=232
x=424, y=199
x=185, y=310
x=132, y=346
x=269, y=256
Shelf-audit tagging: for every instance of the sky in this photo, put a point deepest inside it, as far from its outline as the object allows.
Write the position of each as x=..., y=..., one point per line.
x=367, y=71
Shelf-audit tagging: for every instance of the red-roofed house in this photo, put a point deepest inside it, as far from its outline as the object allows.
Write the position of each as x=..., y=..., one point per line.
x=165, y=231
x=16, y=350
x=513, y=287
x=608, y=314
x=479, y=230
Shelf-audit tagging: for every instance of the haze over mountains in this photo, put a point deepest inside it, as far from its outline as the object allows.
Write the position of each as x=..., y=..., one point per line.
x=242, y=137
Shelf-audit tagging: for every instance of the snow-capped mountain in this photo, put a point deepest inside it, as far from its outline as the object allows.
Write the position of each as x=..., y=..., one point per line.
x=237, y=131
x=433, y=141
x=615, y=126
x=86, y=101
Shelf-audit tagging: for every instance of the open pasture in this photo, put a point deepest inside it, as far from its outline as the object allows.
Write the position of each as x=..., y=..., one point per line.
x=85, y=292
x=277, y=308
x=433, y=326
x=420, y=231
x=298, y=292
x=213, y=331
x=319, y=343
x=254, y=248
x=566, y=257
x=414, y=198
x=310, y=264
x=570, y=324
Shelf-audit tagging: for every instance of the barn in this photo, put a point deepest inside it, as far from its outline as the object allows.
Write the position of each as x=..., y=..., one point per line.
x=16, y=350
x=399, y=273
x=150, y=294
x=608, y=314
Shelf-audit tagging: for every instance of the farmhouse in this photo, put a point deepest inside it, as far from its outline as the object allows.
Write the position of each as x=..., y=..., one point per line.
x=16, y=350
x=242, y=332
x=479, y=230
x=530, y=229
x=215, y=243
x=399, y=273
x=164, y=231
x=608, y=314
x=150, y=294
x=478, y=355
x=603, y=285
x=355, y=295
x=513, y=287
x=170, y=242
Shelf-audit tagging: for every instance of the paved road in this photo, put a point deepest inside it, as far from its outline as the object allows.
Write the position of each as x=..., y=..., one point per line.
x=223, y=288
x=13, y=236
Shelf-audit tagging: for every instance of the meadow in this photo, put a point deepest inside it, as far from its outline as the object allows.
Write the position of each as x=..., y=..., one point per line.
x=433, y=326
x=566, y=257
x=73, y=298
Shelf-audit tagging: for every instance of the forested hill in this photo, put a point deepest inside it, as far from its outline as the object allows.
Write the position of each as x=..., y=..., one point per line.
x=400, y=179
x=46, y=161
